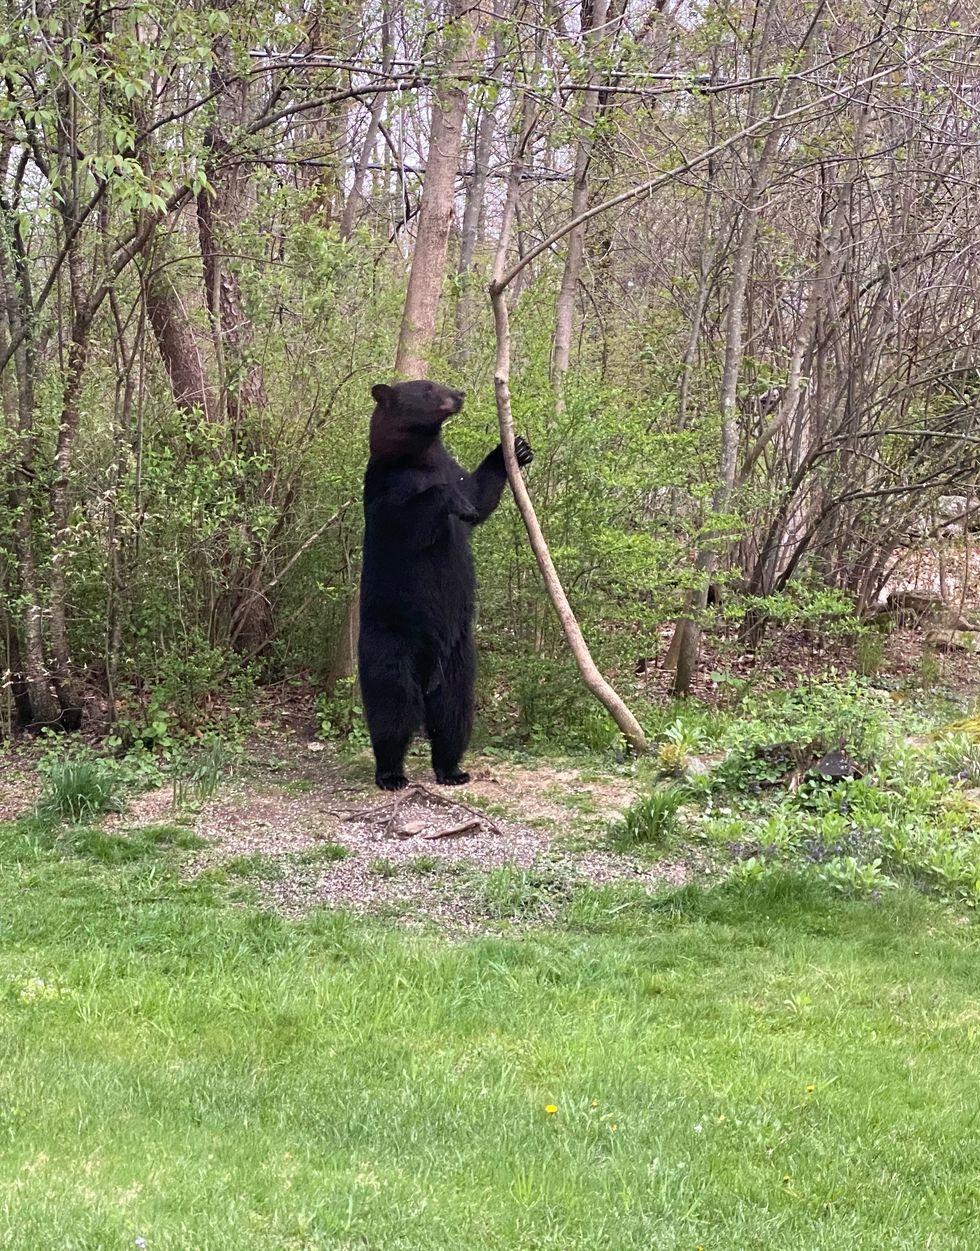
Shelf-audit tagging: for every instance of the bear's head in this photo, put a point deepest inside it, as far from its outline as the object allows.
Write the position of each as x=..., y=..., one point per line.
x=408, y=417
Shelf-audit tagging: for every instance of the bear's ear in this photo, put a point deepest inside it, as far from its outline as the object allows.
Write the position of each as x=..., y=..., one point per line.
x=382, y=395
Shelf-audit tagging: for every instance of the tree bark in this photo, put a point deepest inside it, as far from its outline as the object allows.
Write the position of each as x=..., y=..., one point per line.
x=575, y=251
x=38, y=705
x=476, y=185
x=355, y=199
x=436, y=212
x=686, y=646
x=176, y=341
x=221, y=209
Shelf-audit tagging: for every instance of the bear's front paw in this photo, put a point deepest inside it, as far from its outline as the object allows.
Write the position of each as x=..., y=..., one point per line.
x=522, y=451
x=390, y=781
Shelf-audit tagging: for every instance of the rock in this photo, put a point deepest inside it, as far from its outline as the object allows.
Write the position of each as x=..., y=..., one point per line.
x=837, y=766
x=953, y=507
x=410, y=829
x=952, y=639
x=917, y=608
x=911, y=608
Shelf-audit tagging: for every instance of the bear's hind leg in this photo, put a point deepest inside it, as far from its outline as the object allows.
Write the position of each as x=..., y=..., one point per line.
x=392, y=706
x=449, y=715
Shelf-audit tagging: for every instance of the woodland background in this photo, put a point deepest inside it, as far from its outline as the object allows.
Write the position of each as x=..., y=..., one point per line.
x=755, y=374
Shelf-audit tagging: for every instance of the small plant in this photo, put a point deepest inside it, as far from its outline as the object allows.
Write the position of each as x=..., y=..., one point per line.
x=849, y=876
x=929, y=672
x=194, y=783
x=340, y=715
x=78, y=788
x=680, y=743
x=327, y=853
x=382, y=867
x=752, y=869
x=869, y=652
x=423, y=865
x=652, y=819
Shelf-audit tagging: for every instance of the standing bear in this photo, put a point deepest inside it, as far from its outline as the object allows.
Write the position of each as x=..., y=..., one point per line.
x=418, y=586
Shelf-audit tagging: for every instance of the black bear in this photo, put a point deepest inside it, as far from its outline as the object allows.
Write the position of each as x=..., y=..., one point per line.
x=415, y=651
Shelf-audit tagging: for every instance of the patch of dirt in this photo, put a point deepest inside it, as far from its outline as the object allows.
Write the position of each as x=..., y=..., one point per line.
x=19, y=788
x=303, y=831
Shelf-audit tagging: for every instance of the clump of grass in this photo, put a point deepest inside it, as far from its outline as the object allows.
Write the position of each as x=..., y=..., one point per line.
x=382, y=867
x=323, y=852
x=423, y=865
x=78, y=789
x=172, y=835
x=194, y=781
x=257, y=867
x=107, y=848
x=511, y=893
x=652, y=820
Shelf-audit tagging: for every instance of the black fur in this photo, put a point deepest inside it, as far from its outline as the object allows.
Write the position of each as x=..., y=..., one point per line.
x=415, y=650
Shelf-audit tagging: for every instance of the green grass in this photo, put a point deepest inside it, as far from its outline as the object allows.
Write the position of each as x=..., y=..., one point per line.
x=755, y=1066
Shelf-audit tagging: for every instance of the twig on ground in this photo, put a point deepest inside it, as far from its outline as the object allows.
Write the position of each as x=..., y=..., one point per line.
x=450, y=831
x=389, y=811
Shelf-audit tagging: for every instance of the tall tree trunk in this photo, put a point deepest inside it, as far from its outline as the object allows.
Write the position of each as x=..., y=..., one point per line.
x=355, y=199
x=221, y=209
x=63, y=672
x=178, y=345
x=438, y=191
x=38, y=704
x=475, y=187
x=594, y=13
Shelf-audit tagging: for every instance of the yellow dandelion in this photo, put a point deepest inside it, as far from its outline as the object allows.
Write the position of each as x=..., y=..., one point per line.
x=810, y=1089
x=787, y=1180
x=551, y=1108
x=614, y=1128
x=594, y=1103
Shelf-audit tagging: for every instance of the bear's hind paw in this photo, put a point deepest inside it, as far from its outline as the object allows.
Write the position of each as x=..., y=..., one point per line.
x=452, y=779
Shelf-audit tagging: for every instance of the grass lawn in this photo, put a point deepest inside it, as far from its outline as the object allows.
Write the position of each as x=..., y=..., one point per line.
x=755, y=1066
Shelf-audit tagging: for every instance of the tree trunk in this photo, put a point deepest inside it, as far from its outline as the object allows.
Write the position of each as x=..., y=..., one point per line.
x=355, y=199
x=436, y=212
x=63, y=673
x=221, y=209
x=37, y=704
x=565, y=306
x=686, y=645
x=475, y=188
x=176, y=341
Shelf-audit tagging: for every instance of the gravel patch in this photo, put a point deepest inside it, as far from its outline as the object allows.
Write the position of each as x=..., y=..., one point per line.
x=421, y=879
x=306, y=830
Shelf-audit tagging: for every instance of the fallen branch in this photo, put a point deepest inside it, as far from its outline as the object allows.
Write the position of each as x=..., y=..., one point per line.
x=451, y=831
x=390, y=811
